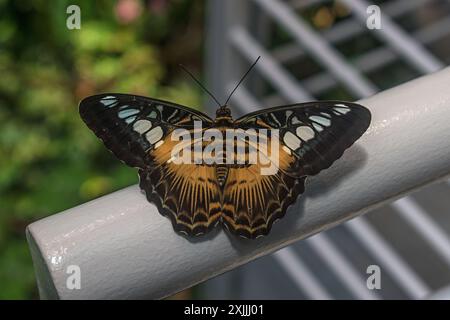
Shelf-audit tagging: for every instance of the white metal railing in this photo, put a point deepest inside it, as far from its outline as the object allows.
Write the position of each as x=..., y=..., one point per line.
x=125, y=249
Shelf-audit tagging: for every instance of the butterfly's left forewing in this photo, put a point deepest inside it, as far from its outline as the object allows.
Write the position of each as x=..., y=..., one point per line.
x=131, y=126
x=138, y=131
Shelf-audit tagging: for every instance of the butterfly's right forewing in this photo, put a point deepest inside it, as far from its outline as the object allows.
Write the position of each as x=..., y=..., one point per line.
x=317, y=133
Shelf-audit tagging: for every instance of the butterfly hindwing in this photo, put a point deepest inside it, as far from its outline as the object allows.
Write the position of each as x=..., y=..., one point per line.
x=188, y=193
x=252, y=201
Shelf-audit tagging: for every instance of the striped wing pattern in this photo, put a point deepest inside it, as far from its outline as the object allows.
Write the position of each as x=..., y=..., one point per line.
x=189, y=194
x=253, y=202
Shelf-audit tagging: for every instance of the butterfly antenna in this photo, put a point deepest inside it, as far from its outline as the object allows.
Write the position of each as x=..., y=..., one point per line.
x=200, y=84
x=242, y=79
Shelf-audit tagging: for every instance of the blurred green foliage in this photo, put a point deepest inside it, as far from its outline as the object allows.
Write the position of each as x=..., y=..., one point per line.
x=49, y=160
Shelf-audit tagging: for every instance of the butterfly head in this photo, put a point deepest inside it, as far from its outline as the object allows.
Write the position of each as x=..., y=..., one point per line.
x=223, y=113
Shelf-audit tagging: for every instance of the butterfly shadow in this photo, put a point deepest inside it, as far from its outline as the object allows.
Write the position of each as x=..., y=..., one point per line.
x=326, y=181
x=353, y=160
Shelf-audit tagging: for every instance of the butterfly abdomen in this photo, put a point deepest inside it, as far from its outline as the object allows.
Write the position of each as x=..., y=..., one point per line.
x=221, y=174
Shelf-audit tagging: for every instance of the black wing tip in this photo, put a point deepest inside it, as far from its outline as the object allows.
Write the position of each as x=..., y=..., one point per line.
x=87, y=101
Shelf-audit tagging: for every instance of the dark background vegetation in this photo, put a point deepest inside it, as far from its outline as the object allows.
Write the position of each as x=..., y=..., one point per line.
x=49, y=160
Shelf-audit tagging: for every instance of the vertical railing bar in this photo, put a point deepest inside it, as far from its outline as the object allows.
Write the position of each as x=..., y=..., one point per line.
x=429, y=230
x=341, y=267
x=398, y=39
x=214, y=59
x=319, y=48
x=300, y=274
x=411, y=283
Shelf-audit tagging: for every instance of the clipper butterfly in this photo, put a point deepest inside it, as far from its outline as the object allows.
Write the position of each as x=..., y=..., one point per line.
x=199, y=195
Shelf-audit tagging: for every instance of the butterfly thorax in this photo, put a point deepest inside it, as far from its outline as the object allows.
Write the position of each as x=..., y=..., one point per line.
x=223, y=121
x=223, y=116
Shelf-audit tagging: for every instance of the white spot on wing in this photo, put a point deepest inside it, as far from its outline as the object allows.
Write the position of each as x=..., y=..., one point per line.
x=274, y=118
x=288, y=114
x=108, y=101
x=172, y=115
x=154, y=135
x=142, y=126
x=130, y=119
x=159, y=143
x=305, y=133
x=295, y=120
x=318, y=127
x=127, y=113
x=342, y=110
x=291, y=141
x=323, y=121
